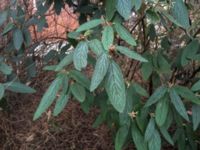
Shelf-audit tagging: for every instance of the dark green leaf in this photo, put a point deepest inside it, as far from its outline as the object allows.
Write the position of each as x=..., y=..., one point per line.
x=107, y=37
x=178, y=104
x=125, y=34
x=18, y=38
x=121, y=136
x=115, y=87
x=196, y=86
x=155, y=141
x=99, y=71
x=150, y=130
x=195, y=116
x=5, y=69
x=146, y=70
x=3, y=17
x=8, y=28
x=90, y=24
x=130, y=53
x=153, y=16
x=137, y=4
x=2, y=90
x=60, y=104
x=78, y=91
x=162, y=110
x=48, y=97
x=96, y=46
x=124, y=8
x=80, y=55
x=65, y=62
x=140, y=90
x=157, y=95
x=166, y=135
x=110, y=9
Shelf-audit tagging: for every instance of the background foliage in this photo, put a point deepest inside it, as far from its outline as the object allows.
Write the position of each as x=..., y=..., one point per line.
x=144, y=57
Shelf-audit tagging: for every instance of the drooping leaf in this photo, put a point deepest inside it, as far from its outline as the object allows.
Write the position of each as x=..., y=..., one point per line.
x=153, y=16
x=100, y=71
x=121, y=136
x=115, y=87
x=107, y=37
x=146, y=70
x=2, y=90
x=48, y=97
x=155, y=141
x=162, y=110
x=166, y=135
x=186, y=93
x=196, y=86
x=3, y=17
x=150, y=130
x=110, y=9
x=18, y=87
x=125, y=34
x=178, y=104
x=18, y=38
x=130, y=53
x=96, y=46
x=195, y=116
x=140, y=90
x=65, y=62
x=138, y=138
x=89, y=25
x=124, y=8
x=157, y=95
x=80, y=55
x=180, y=13
x=60, y=104
x=137, y=4
x=78, y=91
x=5, y=69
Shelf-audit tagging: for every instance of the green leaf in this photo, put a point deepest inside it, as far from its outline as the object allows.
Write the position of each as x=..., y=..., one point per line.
x=96, y=46
x=137, y=4
x=107, y=37
x=162, y=110
x=80, y=78
x=48, y=97
x=121, y=136
x=124, y=8
x=180, y=13
x=99, y=71
x=196, y=86
x=5, y=69
x=3, y=17
x=140, y=90
x=78, y=91
x=178, y=104
x=80, y=55
x=60, y=104
x=131, y=54
x=2, y=90
x=146, y=70
x=110, y=9
x=155, y=141
x=90, y=24
x=138, y=138
x=65, y=62
x=125, y=34
x=195, y=116
x=186, y=93
x=150, y=130
x=166, y=135
x=163, y=65
x=157, y=95
x=18, y=38
x=153, y=16
x=115, y=87
x=8, y=28
x=18, y=87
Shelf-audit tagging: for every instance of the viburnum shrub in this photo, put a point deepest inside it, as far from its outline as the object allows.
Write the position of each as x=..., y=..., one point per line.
x=144, y=57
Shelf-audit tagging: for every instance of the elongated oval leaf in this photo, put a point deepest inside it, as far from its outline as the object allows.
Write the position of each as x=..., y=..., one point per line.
x=115, y=87
x=124, y=8
x=166, y=135
x=8, y=28
x=99, y=71
x=158, y=94
x=140, y=90
x=48, y=97
x=80, y=55
x=96, y=46
x=121, y=136
x=137, y=4
x=150, y=130
x=110, y=9
x=195, y=116
x=125, y=34
x=180, y=13
x=3, y=17
x=155, y=141
x=60, y=104
x=65, y=62
x=5, y=69
x=196, y=86
x=90, y=24
x=18, y=87
x=107, y=37
x=78, y=91
x=162, y=110
x=2, y=90
x=130, y=53
x=18, y=38
x=178, y=104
